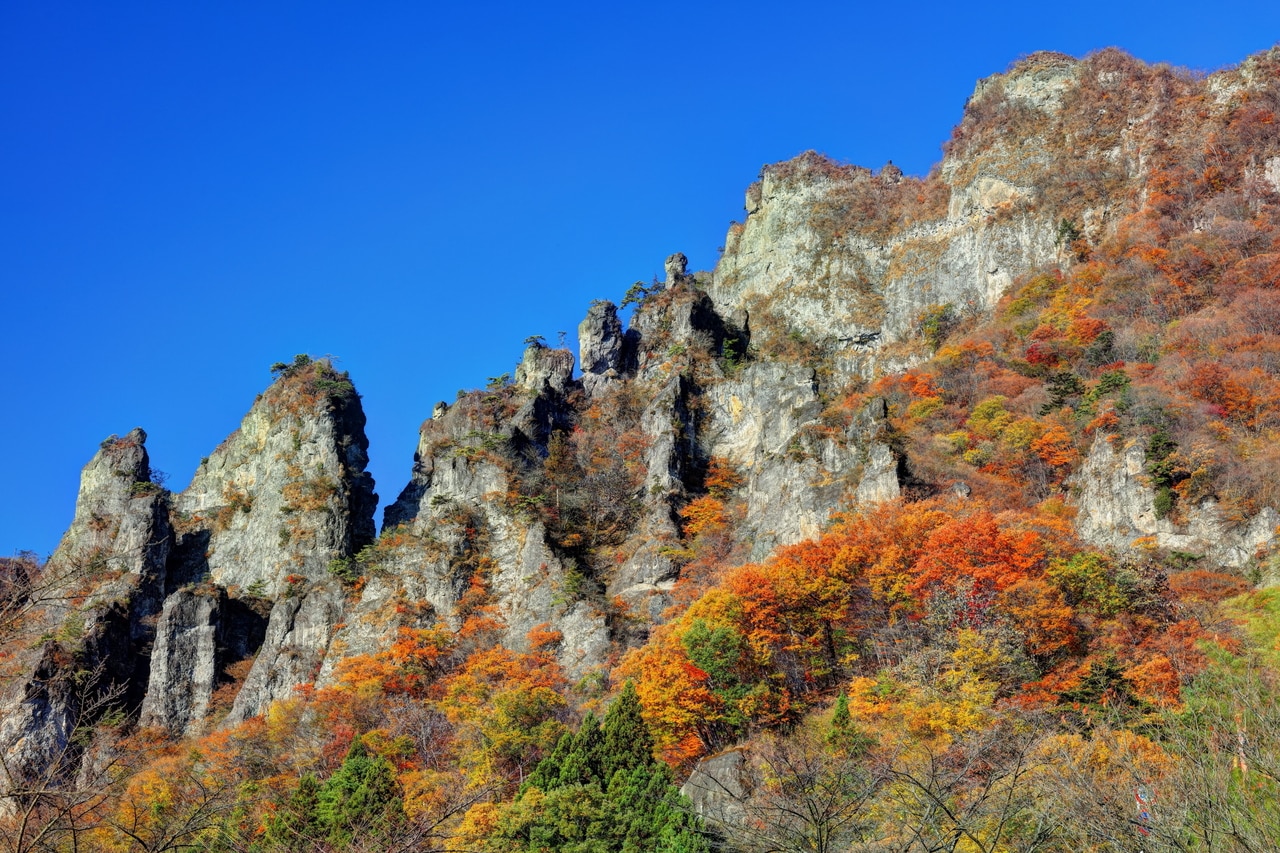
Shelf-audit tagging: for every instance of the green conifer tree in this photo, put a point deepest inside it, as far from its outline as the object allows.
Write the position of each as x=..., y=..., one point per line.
x=547, y=774
x=627, y=742
x=296, y=824
x=845, y=738
x=361, y=797
x=601, y=791
x=582, y=765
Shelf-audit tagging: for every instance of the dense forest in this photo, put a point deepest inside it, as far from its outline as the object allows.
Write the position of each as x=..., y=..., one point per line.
x=1005, y=580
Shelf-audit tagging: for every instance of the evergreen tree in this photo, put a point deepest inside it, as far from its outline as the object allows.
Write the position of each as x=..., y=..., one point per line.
x=844, y=737
x=547, y=774
x=296, y=825
x=601, y=791
x=362, y=797
x=582, y=764
x=627, y=742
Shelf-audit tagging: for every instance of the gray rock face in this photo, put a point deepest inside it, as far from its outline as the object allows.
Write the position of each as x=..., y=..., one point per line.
x=718, y=787
x=183, y=663
x=283, y=495
x=265, y=515
x=677, y=335
x=200, y=632
x=113, y=559
x=800, y=265
x=545, y=370
x=767, y=421
x=601, y=347
x=451, y=525
x=297, y=641
x=672, y=328
x=1117, y=507
x=546, y=376
x=783, y=273
x=648, y=572
x=675, y=267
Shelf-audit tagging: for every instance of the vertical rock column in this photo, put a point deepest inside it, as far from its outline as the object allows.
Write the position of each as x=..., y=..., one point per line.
x=97, y=593
x=265, y=515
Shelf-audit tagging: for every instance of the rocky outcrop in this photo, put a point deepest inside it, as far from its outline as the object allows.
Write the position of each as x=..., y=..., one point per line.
x=718, y=787
x=648, y=571
x=544, y=372
x=846, y=262
x=602, y=347
x=1271, y=172
x=676, y=267
x=285, y=494
x=182, y=663
x=678, y=337
x=545, y=376
x=120, y=523
x=454, y=531
x=265, y=516
x=295, y=647
x=796, y=269
x=799, y=467
x=1117, y=510
x=200, y=634
x=99, y=595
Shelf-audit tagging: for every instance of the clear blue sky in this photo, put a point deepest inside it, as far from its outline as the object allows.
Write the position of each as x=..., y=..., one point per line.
x=190, y=194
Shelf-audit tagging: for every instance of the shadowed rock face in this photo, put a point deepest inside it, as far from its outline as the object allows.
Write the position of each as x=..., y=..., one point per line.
x=199, y=634
x=113, y=559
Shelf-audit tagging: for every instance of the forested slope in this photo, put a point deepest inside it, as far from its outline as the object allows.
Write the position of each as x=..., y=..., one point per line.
x=941, y=515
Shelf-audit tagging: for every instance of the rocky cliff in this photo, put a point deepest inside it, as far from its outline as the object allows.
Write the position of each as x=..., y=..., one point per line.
x=258, y=528
x=152, y=599
x=96, y=604
x=1119, y=510
x=760, y=394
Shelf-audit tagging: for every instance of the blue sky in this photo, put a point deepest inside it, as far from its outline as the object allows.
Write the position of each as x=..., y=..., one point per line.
x=190, y=194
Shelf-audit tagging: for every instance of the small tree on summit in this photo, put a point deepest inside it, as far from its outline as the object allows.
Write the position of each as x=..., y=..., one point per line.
x=281, y=368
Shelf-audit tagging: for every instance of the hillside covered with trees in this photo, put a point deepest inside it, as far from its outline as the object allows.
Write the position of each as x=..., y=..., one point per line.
x=941, y=515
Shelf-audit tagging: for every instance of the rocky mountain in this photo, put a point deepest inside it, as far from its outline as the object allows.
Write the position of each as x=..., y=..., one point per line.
x=732, y=415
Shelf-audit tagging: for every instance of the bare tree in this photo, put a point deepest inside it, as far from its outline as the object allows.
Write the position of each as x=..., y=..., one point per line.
x=55, y=806
x=801, y=795
x=971, y=794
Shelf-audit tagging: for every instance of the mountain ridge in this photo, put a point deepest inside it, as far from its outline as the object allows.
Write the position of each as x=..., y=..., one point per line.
x=1006, y=351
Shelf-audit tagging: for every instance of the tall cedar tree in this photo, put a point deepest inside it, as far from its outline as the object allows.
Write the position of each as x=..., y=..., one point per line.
x=362, y=798
x=601, y=790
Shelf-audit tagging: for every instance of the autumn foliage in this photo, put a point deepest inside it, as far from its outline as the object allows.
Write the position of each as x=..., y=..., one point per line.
x=877, y=591
x=950, y=670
